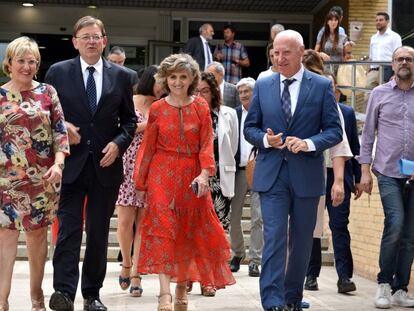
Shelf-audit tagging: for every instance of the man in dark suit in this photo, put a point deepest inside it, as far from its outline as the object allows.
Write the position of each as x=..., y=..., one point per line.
x=339, y=215
x=199, y=48
x=96, y=98
x=300, y=108
x=117, y=56
x=228, y=91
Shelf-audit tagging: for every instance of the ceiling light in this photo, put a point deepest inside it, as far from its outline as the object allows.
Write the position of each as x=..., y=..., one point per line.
x=27, y=4
x=92, y=6
x=64, y=39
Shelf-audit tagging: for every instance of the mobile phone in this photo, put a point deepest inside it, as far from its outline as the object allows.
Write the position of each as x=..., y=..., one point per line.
x=194, y=187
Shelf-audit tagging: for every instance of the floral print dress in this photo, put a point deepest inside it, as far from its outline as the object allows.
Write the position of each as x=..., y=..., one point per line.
x=32, y=130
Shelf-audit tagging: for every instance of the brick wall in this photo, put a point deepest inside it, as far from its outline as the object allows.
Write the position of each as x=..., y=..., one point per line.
x=364, y=11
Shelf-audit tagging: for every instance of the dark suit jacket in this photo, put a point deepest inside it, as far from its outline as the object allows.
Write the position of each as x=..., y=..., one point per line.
x=352, y=167
x=133, y=76
x=195, y=48
x=114, y=119
x=230, y=95
x=316, y=117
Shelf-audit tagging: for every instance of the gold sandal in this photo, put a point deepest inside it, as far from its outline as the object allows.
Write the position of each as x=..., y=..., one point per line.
x=4, y=306
x=181, y=303
x=208, y=290
x=166, y=306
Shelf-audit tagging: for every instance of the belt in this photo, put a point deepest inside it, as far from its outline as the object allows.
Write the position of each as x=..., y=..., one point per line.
x=376, y=69
x=241, y=168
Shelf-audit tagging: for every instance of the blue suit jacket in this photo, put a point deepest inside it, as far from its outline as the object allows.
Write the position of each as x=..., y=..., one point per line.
x=352, y=167
x=316, y=117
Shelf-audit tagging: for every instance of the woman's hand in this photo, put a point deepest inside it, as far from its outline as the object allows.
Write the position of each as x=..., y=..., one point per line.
x=53, y=174
x=203, y=185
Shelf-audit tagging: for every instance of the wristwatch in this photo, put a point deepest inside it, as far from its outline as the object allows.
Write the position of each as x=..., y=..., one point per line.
x=61, y=165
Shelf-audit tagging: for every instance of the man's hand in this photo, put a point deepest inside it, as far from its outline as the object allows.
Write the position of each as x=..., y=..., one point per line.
x=358, y=191
x=73, y=133
x=111, y=151
x=337, y=193
x=295, y=144
x=366, y=179
x=275, y=140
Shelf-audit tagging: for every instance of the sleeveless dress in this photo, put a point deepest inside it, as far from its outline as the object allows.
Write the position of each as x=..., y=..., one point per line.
x=32, y=130
x=127, y=194
x=181, y=234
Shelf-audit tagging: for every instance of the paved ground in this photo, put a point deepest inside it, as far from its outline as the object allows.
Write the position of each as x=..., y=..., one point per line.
x=243, y=296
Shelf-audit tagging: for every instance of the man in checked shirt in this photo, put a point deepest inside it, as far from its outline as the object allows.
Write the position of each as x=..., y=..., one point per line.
x=390, y=118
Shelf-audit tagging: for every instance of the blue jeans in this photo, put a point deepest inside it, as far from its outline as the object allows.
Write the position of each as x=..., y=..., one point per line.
x=397, y=244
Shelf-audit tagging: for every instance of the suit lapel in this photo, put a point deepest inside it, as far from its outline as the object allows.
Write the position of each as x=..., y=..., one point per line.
x=77, y=78
x=304, y=92
x=106, y=83
x=275, y=89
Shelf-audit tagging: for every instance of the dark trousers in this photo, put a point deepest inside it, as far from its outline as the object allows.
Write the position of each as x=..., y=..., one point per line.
x=341, y=239
x=281, y=284
x=99, y=209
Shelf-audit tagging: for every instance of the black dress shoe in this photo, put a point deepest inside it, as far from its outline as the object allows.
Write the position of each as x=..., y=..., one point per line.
x=235, y=263
x=294, y=307
x=345, y=285
x=60, y=301
x=93, y=304
x=276, y=309
x=311, y=283
x=254, y=270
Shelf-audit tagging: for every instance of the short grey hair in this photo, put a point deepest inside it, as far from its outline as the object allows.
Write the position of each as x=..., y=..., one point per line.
x=218, y=67
x=291, y=34
x=203, y=27
x=276, y=28
x=250, y=82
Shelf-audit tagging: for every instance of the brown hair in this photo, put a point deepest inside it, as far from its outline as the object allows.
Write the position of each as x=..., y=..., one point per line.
x=88, y=21
x=327, y=31
x=312, y=61
x=214, y=89
x=18, y=48
x=176, y=63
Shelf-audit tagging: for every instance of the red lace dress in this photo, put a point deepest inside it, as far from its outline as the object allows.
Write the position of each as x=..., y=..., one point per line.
x=181, y=234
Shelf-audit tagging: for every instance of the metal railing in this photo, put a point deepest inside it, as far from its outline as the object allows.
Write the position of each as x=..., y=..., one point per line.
x=353, y=87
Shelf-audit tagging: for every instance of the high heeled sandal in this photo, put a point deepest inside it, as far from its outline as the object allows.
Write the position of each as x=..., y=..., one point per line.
x=180, y=304
x=166, y=306
x=124, y=282
x=208, y=290
x=136, y=291
x=38, y=304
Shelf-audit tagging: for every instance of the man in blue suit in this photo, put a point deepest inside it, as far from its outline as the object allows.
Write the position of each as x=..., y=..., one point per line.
x=300, y=107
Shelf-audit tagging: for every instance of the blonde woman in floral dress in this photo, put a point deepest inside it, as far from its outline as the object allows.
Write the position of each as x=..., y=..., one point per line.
x=34, y=143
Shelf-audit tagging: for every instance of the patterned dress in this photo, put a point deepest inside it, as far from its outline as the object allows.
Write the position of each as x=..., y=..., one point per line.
x=127, y=194
x=32, y=130
x=220, y=202
x=181, y=234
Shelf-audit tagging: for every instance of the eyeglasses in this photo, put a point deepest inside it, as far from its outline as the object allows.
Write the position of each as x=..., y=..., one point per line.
x=400, y=60
x=203, y=91
x=30, y=62
x=86, y=38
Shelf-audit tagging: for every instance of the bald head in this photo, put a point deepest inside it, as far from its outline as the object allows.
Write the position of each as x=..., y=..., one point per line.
x=288, y=50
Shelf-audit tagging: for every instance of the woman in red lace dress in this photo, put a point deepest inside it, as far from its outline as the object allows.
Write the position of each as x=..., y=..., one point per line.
x=182, y=238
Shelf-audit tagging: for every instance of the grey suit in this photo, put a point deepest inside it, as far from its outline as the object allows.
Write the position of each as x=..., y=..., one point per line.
x=230, y=95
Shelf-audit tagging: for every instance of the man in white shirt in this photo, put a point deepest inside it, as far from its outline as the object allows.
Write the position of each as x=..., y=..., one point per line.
x=199, y=48
x=245, y=88
x=381, y=47
x=228, y=91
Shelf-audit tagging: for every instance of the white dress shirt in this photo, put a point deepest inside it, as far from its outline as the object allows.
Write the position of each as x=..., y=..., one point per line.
x=383, y=45
x=266, y=73
x=294, y=89
x=245, y=146
x=97, y=75
x=207, y=52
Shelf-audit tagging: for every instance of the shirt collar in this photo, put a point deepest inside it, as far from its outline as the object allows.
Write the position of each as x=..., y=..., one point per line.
x=386, y=32
x=203, y=39
x=243, y=109
x=394, y=84
x=297, y=76
x=98, y=66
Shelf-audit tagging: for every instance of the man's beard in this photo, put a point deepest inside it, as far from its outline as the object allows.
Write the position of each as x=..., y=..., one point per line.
x=404, y=74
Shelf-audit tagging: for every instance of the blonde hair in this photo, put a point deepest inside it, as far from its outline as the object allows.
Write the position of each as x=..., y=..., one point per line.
x=18, y=48
x=176, y=63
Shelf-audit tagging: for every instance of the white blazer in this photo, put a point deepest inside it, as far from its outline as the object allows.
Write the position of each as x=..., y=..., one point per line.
x=228, y=137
